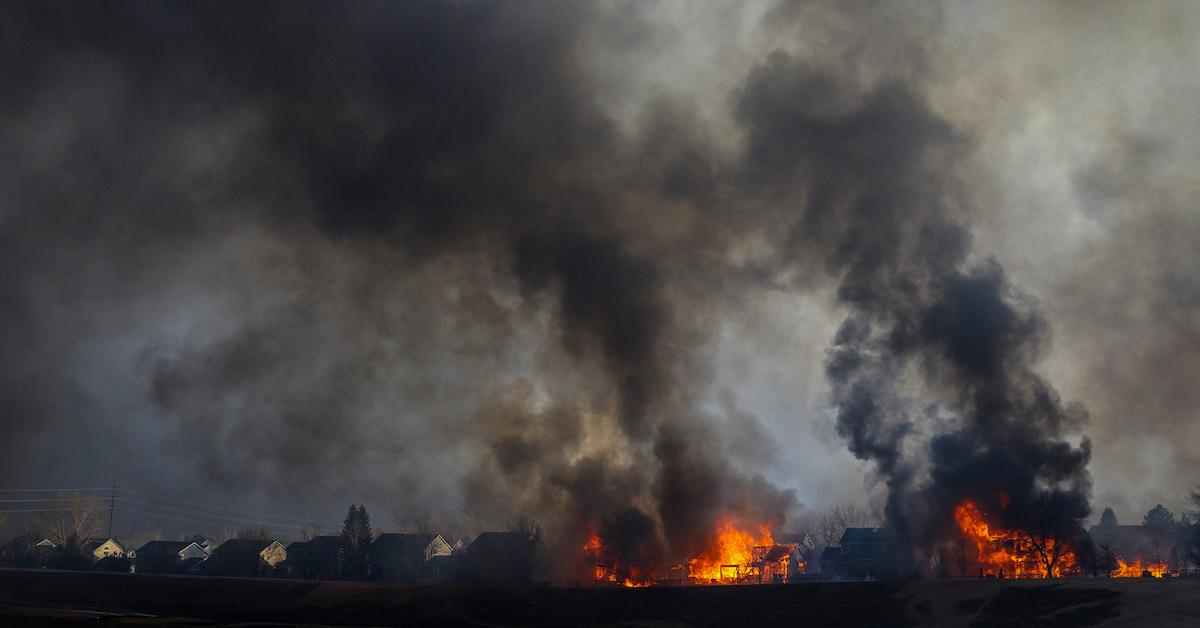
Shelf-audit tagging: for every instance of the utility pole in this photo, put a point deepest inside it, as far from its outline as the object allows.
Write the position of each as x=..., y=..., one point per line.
x=112, y=504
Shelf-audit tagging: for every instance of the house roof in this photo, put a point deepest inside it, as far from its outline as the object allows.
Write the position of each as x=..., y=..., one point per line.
x=394, y=541
x=831, y=553
x=1118, y=531
x=326, y=548
x=803, y=542
x=778, y=552
x=863, y=535
x=243, y=546
x=325, y=542
x=496, y=542
x=188, y=563
x=94, y=542
x=162, y=548
x=198, y=546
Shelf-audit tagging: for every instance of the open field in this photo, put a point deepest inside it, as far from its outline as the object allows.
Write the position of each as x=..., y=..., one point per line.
x=83, y=598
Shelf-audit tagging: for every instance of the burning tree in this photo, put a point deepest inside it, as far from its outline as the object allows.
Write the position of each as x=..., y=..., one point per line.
x=1042, y=544
x=627, y=547
x=1054, y=529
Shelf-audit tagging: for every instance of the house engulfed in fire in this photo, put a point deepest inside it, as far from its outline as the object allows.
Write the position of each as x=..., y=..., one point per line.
x=1138, y=550
x=737, y=559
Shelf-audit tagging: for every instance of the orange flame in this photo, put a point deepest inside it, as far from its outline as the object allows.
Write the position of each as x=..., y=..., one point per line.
x=1006, y=553
x=732, y=555
x=729, y=554
x=1138, y=569
x=608, y=573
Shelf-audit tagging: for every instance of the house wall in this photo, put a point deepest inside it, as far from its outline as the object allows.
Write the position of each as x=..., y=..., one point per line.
x=192, y=551
x=108, y=548
x=438, y=547
x=274, y=554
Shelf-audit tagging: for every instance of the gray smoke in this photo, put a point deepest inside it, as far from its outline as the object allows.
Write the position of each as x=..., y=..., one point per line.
x=481, y=260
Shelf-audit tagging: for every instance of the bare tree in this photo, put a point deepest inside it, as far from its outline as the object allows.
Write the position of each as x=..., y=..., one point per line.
x=420, y=522
x=1054, y=528
x=1193, y=552
x=308, y=532
x=256, y=533
x=530, y=532
x=1107, y=560
x=75, y=515
x=828, y=528
x=834, y=521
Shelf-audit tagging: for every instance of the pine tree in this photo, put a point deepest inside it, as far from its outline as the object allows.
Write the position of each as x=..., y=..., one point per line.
x=356, y=538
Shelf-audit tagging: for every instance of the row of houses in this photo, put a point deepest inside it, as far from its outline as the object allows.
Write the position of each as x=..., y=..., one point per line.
x=491, y=557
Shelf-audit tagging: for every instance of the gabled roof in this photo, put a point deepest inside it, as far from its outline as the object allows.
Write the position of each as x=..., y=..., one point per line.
x=242, y=546
x=324, y=549
x=417, y=542
x=324, y=543
x=778, y=552
x=441, y=540
x=863, y=535
x=95, y=542
x=499, y=542
x=161, y=548
x=198, y=546
x=45, y=543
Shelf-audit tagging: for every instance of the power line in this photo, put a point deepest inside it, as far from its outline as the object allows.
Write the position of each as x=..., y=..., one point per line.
x=222, y=508
x=169, y=510
x=212, y=515
x=196, y=520
x=112, y=506
x=42, y=499
x=52, y=490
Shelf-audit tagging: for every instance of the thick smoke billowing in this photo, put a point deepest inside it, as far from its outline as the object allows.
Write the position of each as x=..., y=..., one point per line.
x=477, y=261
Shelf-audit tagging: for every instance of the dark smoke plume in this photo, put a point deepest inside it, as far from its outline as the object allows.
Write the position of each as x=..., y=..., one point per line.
x=878, y=195
x=409, y=250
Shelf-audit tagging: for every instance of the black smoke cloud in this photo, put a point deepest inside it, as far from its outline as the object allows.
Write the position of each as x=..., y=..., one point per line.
x=374, y=196
x=403, y=250
x=878, y=199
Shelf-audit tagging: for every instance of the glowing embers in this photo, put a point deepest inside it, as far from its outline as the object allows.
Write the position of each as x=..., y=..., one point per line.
x=608, y=569
x=1011, y=553
x=1139, y=569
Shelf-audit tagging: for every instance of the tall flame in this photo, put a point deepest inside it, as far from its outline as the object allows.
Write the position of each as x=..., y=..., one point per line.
x=729, y=553
x=1006, y=553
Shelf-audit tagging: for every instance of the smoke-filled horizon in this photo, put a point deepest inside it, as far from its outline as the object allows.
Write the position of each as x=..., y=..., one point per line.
x=653, y=262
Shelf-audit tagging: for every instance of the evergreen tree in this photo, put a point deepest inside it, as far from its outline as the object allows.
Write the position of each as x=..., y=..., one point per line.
x=356, y=538
x=1108, y=519
x=1159, y=521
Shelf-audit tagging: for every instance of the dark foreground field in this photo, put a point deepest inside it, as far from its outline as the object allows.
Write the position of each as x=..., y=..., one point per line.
x=76, y=598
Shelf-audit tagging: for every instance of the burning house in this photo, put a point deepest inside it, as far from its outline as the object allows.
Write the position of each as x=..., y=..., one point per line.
x=1135, y=551
x=731, y=555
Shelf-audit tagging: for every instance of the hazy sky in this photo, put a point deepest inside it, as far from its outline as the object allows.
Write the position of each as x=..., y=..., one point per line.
x=462, y=259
